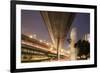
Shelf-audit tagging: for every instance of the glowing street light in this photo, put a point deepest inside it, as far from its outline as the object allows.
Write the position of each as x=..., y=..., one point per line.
x=51, y=48
x=62, y=50
x=47, y=43
x=30, y=36
x=41, y=40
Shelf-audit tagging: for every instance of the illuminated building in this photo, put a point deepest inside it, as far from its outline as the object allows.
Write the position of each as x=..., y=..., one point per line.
x=86, y=37
x=73, y=50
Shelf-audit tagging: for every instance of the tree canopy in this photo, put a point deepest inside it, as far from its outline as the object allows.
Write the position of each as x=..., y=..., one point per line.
x=83, y=47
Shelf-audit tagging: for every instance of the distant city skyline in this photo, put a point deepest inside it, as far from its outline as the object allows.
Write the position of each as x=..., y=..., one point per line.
x=32, y=23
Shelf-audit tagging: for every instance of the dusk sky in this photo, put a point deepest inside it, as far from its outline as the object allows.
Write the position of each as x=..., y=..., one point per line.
x=32, y=23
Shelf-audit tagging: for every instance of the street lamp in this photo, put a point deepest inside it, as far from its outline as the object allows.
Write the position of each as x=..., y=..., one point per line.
x=47, y=43
x=51, y=48
x=62, y=50
x=30, y=36
x=41, y=41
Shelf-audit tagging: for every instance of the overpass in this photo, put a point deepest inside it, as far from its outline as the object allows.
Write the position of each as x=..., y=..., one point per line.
x=58, y=24
x=33, y=50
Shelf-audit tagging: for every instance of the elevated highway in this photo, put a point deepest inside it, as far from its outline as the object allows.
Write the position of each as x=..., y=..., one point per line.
x=35, y=51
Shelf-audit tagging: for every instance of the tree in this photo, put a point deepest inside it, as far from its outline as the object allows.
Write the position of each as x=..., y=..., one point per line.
x=83, y=47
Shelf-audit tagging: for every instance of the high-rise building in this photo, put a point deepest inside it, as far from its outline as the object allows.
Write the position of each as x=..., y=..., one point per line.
x=86, y=37
x=73, y=50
